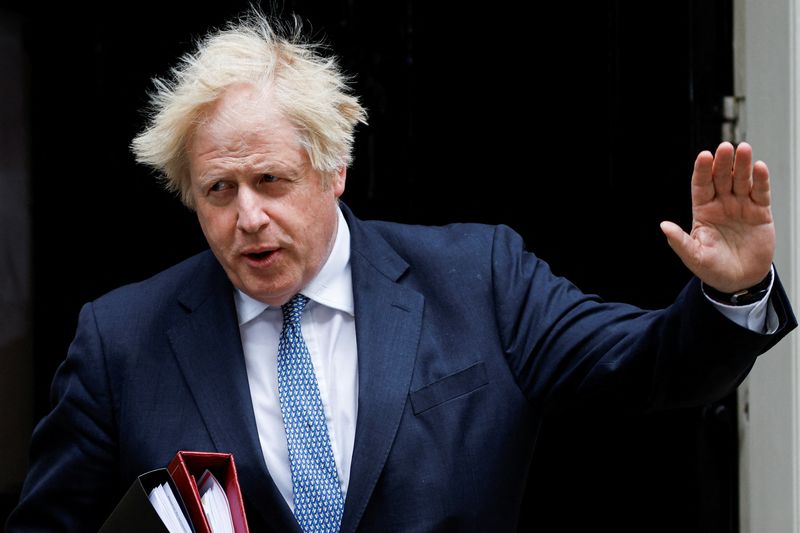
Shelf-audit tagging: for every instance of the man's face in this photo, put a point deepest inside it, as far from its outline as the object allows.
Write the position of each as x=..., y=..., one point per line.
x=262, y=207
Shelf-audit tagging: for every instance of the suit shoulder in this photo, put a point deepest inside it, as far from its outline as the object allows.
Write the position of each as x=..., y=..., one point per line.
x=448, y=241
x=162, y=287
x=433, y=236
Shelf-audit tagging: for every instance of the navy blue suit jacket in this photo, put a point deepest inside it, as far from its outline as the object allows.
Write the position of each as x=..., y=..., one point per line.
x=464, y=342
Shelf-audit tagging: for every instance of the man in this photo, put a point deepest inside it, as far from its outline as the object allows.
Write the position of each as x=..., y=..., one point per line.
x=426, y=356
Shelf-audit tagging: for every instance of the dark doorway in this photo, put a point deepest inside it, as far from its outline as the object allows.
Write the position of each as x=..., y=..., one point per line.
x=577, y=126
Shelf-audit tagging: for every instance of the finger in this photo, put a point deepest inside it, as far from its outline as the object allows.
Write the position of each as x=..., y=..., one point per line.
x=721, y=171
x=702, y=184
x=681, y=243
x=743, y=170
x=760, y=193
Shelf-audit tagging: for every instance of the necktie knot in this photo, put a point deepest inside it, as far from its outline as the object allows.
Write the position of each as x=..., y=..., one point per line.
x=293, y=309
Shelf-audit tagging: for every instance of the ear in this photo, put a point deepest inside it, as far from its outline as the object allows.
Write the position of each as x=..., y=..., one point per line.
x=338, y=181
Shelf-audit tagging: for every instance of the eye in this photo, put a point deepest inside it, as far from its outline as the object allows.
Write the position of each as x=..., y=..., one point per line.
x=219, y=186
x=268, y=178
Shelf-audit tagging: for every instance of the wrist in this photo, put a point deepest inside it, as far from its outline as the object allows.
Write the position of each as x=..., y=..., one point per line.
x=746, y=296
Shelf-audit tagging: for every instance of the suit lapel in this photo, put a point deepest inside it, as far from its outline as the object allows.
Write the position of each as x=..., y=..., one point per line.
x=208, y=348
x=388, y=323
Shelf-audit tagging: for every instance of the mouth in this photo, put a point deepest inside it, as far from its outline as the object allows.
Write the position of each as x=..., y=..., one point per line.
x=259, y=256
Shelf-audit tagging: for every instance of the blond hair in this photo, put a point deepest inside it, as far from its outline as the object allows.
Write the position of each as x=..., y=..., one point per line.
x=307, y=87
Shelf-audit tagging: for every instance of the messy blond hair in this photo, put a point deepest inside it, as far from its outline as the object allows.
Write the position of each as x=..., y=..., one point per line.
x=307, y=87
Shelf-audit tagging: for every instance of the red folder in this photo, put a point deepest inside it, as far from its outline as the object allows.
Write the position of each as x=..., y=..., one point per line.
x=186, y=467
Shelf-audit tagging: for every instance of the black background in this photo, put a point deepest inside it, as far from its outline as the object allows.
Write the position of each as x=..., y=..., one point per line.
x=577, y=125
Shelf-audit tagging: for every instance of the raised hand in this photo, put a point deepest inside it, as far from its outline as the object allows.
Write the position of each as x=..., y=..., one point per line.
x=732, y=242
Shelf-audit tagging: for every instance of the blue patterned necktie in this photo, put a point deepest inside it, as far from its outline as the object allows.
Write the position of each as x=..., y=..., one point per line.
x=318, y=502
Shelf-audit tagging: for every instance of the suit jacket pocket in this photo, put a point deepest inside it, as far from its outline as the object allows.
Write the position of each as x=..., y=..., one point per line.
x=449, y=387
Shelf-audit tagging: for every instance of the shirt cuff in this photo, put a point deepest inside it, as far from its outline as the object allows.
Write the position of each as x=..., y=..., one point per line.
x=759, y=316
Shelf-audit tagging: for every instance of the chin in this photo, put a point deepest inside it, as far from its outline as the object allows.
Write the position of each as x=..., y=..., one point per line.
x=271, y=295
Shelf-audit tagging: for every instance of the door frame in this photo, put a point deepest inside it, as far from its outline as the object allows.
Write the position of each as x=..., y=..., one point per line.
x=767, y=74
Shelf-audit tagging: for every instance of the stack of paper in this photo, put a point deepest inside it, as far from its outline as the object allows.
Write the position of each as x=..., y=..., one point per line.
x=167, y=507
x=215, y=504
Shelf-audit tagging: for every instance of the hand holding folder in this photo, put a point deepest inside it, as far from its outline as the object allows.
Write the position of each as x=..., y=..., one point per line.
x=135, y=512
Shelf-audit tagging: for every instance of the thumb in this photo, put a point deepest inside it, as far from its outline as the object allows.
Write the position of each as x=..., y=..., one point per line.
x=680, y=242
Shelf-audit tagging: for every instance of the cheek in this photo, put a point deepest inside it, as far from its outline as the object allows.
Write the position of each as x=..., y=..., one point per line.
x=215, y=226
x=320, y=231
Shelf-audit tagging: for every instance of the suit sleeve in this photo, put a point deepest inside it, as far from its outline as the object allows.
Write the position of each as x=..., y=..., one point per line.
x=73, y=450
x=565, y=346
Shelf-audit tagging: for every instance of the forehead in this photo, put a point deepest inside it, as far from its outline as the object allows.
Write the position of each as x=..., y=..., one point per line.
x=243, y=109
x=246, y=126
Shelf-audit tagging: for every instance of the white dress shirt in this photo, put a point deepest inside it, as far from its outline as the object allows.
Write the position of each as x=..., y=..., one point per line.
x=330, y=333
x=759, y=316
x=328, y=325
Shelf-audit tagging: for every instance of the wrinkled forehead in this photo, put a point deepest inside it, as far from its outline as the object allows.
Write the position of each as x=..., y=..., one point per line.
x=244, y=131
x=243, y=119
x=245, y=108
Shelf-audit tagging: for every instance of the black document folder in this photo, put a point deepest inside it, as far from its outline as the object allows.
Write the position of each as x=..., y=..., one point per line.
x=134, y=512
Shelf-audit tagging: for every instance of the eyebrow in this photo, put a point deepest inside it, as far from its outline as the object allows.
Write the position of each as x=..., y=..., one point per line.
x=291, y=172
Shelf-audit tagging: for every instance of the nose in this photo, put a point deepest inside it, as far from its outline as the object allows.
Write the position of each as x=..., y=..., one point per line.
x=252, y=214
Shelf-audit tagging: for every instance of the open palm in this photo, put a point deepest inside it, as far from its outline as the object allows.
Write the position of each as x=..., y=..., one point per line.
x=732, y=241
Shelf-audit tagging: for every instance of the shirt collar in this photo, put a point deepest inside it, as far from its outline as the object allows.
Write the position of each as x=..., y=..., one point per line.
x=332, y=286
